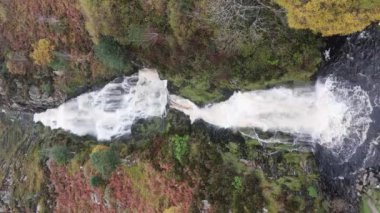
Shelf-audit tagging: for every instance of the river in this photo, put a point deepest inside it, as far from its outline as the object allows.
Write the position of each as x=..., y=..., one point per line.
x=339, y=114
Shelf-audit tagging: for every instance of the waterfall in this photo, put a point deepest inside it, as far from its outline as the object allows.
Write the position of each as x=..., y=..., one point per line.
x=111, y=111
x=332, y=113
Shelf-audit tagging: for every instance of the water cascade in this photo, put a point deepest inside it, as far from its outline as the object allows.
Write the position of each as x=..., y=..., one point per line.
x=111, y=111
x=331, y=113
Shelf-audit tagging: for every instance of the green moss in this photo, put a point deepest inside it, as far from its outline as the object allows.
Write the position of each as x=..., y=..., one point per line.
x=237, y=184
x=364, y=207
x=292, y=183
x=312, y=191
x=200, y=91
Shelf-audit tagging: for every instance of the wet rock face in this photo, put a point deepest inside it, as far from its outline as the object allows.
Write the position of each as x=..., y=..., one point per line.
x=368, y=179
x=15, y=94
x=357, y=63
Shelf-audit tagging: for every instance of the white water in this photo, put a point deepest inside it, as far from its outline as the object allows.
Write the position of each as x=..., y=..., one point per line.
x=331, y=113
x=111, y=111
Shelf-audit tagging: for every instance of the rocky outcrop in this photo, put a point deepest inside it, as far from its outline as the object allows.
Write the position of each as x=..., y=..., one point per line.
x=16, y=94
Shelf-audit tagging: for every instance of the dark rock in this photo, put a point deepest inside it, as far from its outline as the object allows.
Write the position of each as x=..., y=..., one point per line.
x=17, y=95
x=356, y=63
x=34, y=93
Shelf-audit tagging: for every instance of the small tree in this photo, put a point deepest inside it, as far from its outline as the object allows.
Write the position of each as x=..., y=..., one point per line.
x=105, y=161
x=60, y=154
x=42, y=52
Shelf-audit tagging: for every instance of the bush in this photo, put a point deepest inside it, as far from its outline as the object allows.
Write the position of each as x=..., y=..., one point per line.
x=60, y=154
x=59, y=63
x=96, y=181
x=111, y=54
x=180, y=147
x=105, y=161
x=237, y=183
x=42, y=52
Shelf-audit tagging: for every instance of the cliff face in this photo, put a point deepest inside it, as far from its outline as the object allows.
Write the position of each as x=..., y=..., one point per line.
x=165, y=165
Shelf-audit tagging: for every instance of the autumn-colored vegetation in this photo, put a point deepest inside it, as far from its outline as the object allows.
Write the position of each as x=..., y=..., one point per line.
x=42, y=52
x=138, y=188
x=331, y=17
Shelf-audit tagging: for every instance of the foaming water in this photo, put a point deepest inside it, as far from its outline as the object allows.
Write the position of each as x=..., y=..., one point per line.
x=330, y=113
x=111, y=111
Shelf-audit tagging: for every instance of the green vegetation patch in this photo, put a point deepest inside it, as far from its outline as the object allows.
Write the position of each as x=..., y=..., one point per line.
x=180, y=147
x=105, y=161
x=60, y=154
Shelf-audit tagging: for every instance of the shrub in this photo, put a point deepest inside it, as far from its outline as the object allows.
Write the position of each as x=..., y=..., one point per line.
x=42, y=52
x=331, y=17
x=96, y=181
x=59, y=63
x=237, y=183
x=105, y=161
x=60, y=154
x=111, y=54
x=180, y=147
